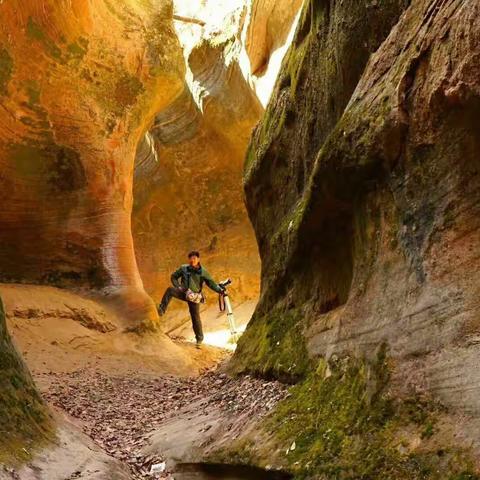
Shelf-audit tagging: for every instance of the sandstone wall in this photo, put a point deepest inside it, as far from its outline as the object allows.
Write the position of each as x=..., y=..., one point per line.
x=372, y=163
x=80, y=83
x=191, y=198
x=187, y=191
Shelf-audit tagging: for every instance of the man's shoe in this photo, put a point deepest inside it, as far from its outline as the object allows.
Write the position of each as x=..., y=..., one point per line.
x=161, y=310
x=198, y=345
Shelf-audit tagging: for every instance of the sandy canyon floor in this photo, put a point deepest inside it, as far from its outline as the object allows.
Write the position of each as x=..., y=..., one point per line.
x=123, y=403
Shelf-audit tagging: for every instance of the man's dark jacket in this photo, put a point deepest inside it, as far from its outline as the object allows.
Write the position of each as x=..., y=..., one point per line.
x=193, y=278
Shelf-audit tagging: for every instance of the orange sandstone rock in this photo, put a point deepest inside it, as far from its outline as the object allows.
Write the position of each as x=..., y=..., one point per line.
x=80, y=83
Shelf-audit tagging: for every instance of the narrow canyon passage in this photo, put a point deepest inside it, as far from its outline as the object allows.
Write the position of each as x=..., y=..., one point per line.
x=121, y=152
x=320, y=161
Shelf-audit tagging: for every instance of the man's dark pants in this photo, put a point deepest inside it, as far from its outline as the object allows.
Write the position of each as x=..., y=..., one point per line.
x=194, y=308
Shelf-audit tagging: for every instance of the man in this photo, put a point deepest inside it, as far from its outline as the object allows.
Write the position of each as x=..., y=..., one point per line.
x=187, y=284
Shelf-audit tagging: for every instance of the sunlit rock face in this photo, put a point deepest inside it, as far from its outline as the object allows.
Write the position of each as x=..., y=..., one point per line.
x=104, y=73
x=187, y=192
x=270, y=26
x=80, y=82
x=264, y=29
x=362, y=183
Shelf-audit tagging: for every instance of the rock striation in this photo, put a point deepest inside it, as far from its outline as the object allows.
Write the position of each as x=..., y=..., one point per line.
x=80, y=82
x=191, y=197
x=369, y=154
x=185, y=186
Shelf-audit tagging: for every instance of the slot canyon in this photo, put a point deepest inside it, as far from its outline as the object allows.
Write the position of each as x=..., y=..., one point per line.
x=324, y=155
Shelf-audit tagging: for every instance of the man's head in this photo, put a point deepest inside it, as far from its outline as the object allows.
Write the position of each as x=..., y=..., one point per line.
x=194, y=258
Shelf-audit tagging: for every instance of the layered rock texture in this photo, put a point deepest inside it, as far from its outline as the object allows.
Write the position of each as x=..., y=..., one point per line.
x=79, y=84
x=189, y=169
x=362, y=183
x=190, y=198
x=72, y=126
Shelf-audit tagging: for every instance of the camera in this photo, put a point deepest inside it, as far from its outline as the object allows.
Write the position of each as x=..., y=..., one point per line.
x=225, y=283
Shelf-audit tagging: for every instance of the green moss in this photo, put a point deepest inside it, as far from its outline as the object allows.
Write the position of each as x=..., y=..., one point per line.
x=35, y=32
x=249, y=159
x=464, y=476
x=290, y=224
x=60, y=166
x=115, y=10
x=33, y=92
x=273, y=124
x=314, y=12
x=77, y=50
x=294, y=66
x=214, y=185
x=65, y=171
x=241, y=453
x=267, y=132
x=117, y=92
x=6, y=70
x=273, y=346
x=24, y=421
x=27, y=159
x=343, y=424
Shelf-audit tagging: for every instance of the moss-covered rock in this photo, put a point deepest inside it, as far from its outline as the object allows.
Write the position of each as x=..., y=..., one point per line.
x=308, y=262
x=36, y=33
x=343, y=423
x=6, y=70
x=274, y=347
x=362, y=184
x=25, y=423
x=346, y=421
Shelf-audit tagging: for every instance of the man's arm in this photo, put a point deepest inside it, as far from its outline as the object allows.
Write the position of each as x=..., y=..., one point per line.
x=211, y=283
x=175, y=277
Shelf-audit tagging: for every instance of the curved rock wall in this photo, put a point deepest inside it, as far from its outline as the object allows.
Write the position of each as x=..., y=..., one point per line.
x=373, y=164
x=70, y=127
x=269, y=30
x=79, y=84
x=190, y=197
